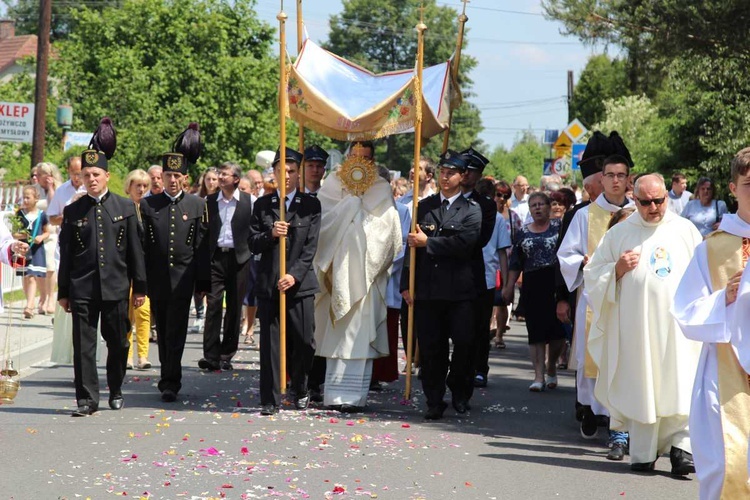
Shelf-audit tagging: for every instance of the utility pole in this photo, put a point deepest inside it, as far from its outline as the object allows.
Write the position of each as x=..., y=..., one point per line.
x=40, y=97
x=570, y=94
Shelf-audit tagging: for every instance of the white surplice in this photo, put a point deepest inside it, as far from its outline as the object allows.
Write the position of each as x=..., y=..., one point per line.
x=703, y=315
x=570, y=255
x=359, y=239
x=646, y=366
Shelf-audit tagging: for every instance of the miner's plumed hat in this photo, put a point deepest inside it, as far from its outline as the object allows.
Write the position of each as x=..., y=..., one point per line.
x=452, y=159
x=316, y=153
x=600, y=147
x=186, y=150
x=289, y=155
x=477, y=161
x=102, y=146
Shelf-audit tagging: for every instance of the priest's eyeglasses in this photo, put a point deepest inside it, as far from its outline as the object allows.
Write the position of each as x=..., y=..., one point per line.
x=619, y=176
x=655, y=201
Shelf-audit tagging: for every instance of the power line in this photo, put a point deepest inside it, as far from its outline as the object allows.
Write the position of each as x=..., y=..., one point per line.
x=490, y=9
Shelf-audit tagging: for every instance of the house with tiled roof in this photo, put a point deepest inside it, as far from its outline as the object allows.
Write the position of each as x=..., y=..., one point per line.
x=13, y=48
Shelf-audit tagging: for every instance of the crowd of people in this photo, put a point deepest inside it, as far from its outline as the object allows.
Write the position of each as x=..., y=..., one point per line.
x=637, y=287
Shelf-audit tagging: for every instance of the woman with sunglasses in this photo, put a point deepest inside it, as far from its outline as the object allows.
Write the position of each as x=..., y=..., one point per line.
x=704, y=211
x=514, y=225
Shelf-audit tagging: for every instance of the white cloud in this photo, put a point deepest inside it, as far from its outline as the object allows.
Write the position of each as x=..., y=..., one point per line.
x=531, y=55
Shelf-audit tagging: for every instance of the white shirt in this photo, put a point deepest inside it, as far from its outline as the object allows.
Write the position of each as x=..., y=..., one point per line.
x=289, y=197
x=450, y=200
x=226, y=212
x=173, y=198
x=60, y=200
x=98, y=199
x=521, y=207
x=677, y=203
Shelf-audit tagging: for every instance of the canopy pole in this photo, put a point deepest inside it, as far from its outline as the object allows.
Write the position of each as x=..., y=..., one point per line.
x=300, y=36
x=283, y=102
x=421, y=28
x=454, y=70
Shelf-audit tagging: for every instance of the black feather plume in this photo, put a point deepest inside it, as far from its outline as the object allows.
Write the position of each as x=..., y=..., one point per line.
x=105, y=138
x=189, y=143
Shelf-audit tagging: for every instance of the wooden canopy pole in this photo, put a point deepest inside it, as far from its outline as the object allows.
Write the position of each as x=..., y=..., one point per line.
x=421, y=28
x=454, y=70
x=283, y=103
x=300, y=34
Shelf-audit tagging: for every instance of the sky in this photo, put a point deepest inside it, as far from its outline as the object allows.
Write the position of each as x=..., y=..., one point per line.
x=521, y=79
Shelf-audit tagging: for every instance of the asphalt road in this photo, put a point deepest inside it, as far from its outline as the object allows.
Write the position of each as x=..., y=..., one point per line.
x=214, y=444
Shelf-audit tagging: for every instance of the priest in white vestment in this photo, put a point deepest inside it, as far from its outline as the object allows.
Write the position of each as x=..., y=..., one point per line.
x=646, y=366
x=581, y=239
x=712, y=305
x=360, y=235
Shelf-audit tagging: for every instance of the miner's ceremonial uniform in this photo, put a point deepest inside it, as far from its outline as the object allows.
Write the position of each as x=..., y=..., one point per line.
x=174, y=228
x=444, y=291
x=100, y=256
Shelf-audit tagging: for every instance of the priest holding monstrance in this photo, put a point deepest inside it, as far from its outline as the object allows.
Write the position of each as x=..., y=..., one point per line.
x=360, y=235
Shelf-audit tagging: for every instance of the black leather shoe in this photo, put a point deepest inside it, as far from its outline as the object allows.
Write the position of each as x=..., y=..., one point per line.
x=480, y=380
x=84, y=411
x=226, y=365
x=315, y=396
x=436, y=412
x=682, y=462
x=168, y=396
x=116, y=402
x=375, y=386
x=351, y=409
x=268, y=410
x=643, y=466
x=460, y=406
x=617, y=452
x=206, y=364
x=302, y=403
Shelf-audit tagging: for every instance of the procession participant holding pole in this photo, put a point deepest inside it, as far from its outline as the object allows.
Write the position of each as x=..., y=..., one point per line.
x=359, y=238
x=222, y=267
x=448, y=228
x=174, y=224
x=101, y=256
x=300, y=227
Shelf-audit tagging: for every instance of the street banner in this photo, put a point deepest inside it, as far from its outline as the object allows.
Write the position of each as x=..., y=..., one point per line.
x=16, y=122
x=337, y=98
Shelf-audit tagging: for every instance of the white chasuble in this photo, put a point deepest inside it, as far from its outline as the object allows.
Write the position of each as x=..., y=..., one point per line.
x=646, y=367
x=720, y=393
x=359, y=238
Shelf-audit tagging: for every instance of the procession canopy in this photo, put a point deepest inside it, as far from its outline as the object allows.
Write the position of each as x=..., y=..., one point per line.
x=344, y=101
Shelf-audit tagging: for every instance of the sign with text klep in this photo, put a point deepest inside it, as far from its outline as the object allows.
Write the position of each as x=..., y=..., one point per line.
x=16, y=122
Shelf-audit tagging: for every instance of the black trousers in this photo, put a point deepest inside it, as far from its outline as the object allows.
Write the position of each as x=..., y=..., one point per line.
x=226, y=277
x=317, y=375
x=172, y=318
x=115, y=326
x=482, y=318
x=437, y=322
x=300, y=346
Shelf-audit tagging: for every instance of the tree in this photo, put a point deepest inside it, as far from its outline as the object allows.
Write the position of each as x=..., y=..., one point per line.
x=26, y=15
x=155, y=65
x=379, y=35
x=602, y=78
x=645, y=133
x=526, y=158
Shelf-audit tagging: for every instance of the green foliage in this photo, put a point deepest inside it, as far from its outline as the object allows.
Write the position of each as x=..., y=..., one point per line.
x=379, y=35
x=26, y=15
x=602, y=78
x=646, y=134
x=690, y=59
x=526, y=158
x=15, y=158
x=155, y=65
